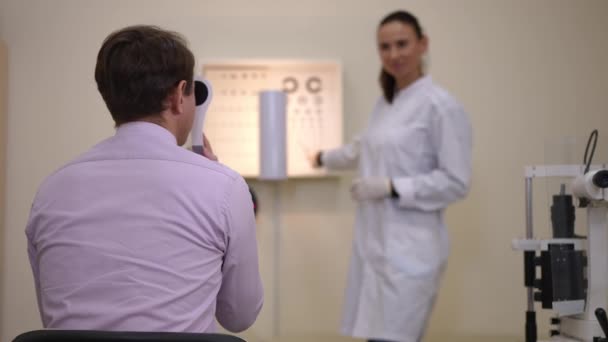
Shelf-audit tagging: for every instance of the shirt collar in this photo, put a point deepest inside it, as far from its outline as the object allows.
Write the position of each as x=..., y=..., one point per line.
x=146, y=129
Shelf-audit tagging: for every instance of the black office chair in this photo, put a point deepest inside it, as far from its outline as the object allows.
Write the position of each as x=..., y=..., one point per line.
x=119, y=336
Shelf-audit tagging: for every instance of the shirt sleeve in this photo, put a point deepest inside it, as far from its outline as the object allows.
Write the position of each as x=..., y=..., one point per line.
x=32, y=253
x=241, y=294
x=343, y=158
x=451, y=136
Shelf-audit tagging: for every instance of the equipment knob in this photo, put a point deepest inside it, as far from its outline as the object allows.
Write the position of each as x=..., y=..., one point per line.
x=600, y=314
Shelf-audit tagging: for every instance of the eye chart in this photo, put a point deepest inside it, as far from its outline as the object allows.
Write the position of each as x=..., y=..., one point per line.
x=314, y=111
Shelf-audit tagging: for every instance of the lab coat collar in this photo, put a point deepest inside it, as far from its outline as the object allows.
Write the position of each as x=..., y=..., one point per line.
x=419, y=83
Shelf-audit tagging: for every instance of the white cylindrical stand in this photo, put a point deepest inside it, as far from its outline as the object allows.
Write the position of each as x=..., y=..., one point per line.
x=273, y=135
x=273, y=167
x=277, y=259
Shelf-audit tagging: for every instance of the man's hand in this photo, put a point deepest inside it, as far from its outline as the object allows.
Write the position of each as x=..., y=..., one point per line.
x=207, y=150
x=364, y=189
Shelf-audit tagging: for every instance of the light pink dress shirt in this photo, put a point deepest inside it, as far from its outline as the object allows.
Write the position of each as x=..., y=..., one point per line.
x=140, y=234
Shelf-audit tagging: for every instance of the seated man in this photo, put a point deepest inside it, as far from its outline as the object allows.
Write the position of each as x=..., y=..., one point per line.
x=138, y=233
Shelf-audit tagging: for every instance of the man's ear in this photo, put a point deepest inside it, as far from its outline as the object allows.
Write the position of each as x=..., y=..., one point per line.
x=177, y=97
x=424, y=43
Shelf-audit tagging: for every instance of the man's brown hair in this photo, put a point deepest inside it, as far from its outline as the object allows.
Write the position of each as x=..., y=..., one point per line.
x=137, y=67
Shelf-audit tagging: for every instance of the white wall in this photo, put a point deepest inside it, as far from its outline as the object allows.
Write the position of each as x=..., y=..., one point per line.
x=3, y=115
x=527, y=71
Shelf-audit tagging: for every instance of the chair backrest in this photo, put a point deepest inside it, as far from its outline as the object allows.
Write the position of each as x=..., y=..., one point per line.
x=51, y=335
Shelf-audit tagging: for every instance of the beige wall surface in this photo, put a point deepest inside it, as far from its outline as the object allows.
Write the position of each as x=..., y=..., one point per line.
x=529, y=73
x=3, y=115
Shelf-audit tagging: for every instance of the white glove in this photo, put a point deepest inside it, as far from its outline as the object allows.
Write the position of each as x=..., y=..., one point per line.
x=364, y=189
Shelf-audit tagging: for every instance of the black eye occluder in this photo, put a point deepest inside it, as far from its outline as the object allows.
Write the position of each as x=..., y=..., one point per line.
x=201, y=93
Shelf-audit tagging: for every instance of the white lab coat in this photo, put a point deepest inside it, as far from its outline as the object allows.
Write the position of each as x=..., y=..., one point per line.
x=423, y=143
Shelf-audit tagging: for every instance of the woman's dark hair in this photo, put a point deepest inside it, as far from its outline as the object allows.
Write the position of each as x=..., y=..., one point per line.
x=137, y=67
x=388, y=82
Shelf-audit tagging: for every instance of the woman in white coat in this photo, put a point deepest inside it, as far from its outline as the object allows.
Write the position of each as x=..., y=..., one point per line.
x=414, y=159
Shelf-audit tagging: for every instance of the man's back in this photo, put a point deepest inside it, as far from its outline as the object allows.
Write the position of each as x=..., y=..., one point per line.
x=140, y=234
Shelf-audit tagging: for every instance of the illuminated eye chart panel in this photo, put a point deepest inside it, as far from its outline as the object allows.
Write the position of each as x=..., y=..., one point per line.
x=314, y=110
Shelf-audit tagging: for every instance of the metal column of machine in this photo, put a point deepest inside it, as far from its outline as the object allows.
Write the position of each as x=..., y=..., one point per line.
x=574, y=269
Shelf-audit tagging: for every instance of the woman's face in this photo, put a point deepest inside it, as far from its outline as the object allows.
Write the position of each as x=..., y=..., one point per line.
x=401, y=51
